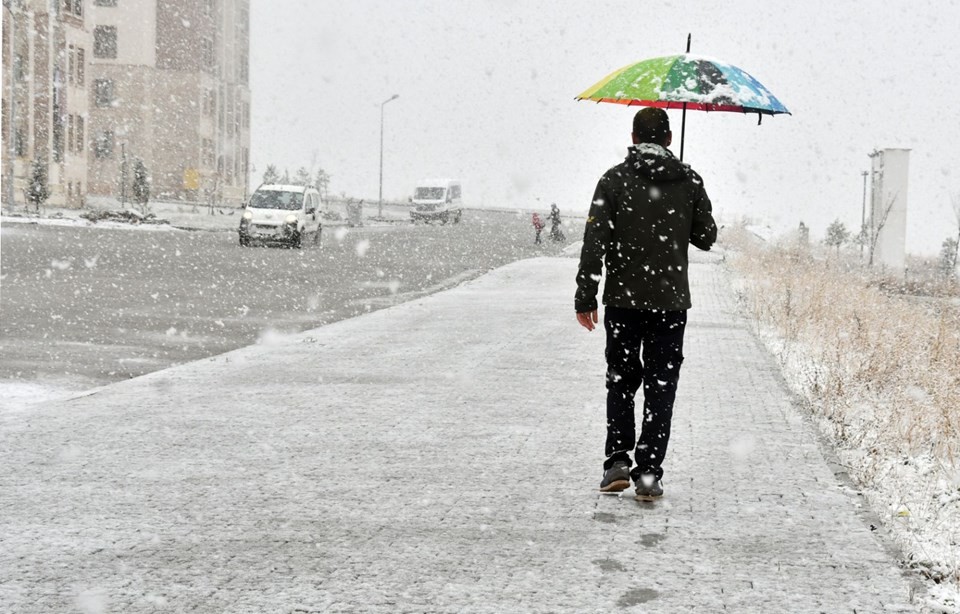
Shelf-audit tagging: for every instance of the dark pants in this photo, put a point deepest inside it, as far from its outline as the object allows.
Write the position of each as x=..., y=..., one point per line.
x=644, y=347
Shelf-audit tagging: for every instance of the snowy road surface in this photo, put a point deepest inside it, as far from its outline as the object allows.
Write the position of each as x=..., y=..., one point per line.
x=437, y=456
x=86, y=306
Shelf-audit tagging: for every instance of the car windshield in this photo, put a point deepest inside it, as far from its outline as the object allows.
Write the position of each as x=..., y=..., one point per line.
x=429, y=193
x=275, y=199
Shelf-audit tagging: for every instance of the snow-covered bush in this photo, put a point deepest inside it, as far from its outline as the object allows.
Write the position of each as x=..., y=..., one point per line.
x=141, y=186
x=38, y=190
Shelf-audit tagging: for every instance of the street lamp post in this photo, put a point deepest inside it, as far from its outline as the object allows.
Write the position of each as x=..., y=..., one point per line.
x=380, y=198
x=11, y=132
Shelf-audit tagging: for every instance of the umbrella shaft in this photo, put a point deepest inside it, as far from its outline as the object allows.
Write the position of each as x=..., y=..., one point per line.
x=683, y=130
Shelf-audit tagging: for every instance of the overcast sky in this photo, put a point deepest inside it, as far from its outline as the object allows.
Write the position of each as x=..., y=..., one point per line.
x=487, y=96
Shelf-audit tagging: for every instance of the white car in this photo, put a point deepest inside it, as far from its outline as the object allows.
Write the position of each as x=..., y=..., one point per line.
x=281, y=214
x=437, y=199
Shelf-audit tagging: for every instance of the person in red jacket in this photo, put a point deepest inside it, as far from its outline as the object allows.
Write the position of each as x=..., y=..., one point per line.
x=537, y=226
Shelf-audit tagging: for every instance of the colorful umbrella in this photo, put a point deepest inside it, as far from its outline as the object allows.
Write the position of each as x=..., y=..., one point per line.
x=686, y=82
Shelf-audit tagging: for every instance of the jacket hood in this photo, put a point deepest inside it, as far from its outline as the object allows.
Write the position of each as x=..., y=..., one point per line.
x=656, y=162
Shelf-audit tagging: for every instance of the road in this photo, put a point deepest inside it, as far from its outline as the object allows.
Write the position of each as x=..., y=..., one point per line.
x=86, y=306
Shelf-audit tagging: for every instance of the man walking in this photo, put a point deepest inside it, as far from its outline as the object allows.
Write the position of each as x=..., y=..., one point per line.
x=645, y=213
x=556, y=230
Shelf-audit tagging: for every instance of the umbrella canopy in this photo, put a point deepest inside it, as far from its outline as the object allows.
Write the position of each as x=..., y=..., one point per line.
x=685, y=82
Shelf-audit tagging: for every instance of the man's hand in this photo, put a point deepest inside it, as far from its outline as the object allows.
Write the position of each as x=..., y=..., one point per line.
x=588, y=319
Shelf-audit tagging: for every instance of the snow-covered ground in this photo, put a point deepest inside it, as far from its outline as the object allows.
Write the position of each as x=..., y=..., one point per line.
x=19, y=396
x=878, y=434
x=200, y=217
x=23, y=401
x=917, y=496
x=440, y=455
x=178, y=215
x=101, y=302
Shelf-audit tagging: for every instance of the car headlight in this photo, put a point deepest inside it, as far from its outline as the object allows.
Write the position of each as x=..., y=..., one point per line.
x=247, y=215
x=291, y=219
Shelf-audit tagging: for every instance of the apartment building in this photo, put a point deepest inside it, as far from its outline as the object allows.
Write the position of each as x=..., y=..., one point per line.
x=169, y=84
x=46, y=47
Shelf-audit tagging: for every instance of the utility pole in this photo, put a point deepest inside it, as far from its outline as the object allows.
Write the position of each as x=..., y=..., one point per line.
x=380, y=198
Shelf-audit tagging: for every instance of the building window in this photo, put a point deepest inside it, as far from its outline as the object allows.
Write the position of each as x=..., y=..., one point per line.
x=19, y=68
x=208, y=7
x=241, y=166
x=57, y=140
x=207, y=56
x=246, y=114
x=206, y=155
x=105, y=2
x=70, y=140
x=74, y=7
x=103, y=146
x=244, y=68
x=209, y=102
x=81, y=70
x=80, y=123
x=103, y=92
x=244, y=19
x=71, y=64
x=20, y=143
x=105, y=42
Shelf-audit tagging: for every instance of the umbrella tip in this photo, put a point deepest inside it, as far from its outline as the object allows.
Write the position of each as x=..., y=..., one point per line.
x=689, y=36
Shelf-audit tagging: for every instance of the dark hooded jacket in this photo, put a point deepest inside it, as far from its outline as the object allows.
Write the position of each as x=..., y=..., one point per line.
x=645, y=213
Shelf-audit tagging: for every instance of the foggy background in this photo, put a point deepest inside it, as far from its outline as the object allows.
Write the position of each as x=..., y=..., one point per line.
x=487, y=96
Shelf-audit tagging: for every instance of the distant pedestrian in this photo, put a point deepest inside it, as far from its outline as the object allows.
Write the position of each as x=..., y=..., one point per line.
x=538, y=226
x=645, y=213
x=354, y=213
x=556, y=228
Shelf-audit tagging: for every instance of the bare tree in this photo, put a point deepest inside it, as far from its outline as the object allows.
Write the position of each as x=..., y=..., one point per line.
x=271, y=175
x=302, y=176
x=322, y=183
x=947, y=264
x=877, y=225
x=955, y=205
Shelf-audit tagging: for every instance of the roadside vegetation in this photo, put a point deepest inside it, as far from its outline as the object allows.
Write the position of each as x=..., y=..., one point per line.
x=878, y=360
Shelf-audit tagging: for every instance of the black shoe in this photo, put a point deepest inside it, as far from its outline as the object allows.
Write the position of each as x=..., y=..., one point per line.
x=649, y=488
x=616, y=478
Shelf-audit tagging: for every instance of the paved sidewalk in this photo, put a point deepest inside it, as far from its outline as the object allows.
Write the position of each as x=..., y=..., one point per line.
x=437, y=456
